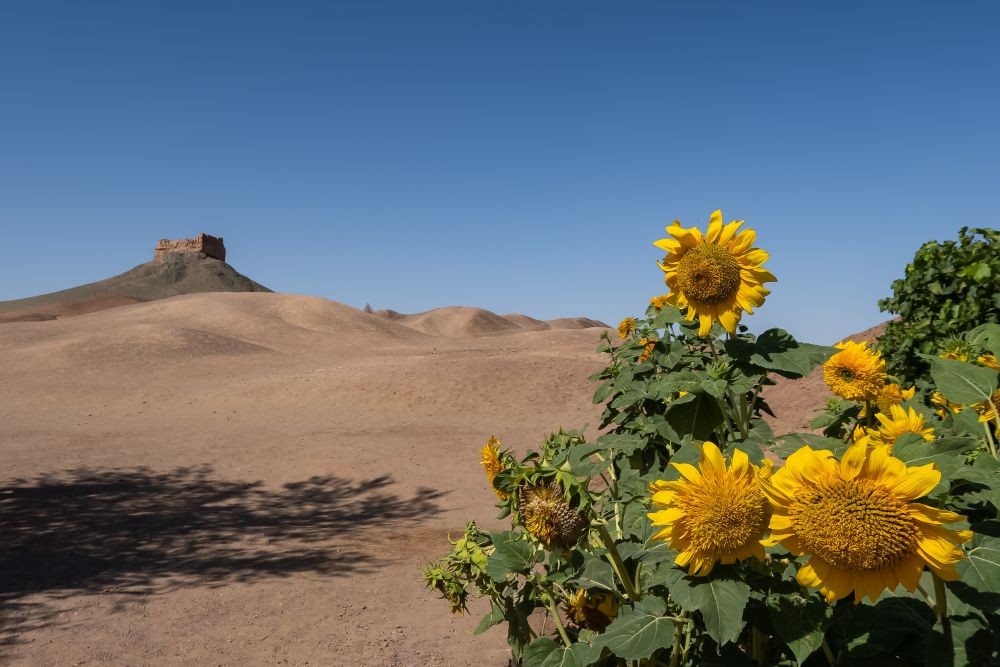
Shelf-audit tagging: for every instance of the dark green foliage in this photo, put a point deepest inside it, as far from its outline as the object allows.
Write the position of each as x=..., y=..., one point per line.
x=949, y=288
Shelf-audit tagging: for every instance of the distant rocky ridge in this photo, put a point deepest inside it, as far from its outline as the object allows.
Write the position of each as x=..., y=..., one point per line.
x=184, y=266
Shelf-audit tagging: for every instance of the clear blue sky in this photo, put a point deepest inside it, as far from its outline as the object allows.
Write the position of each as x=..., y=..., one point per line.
x=517, y=156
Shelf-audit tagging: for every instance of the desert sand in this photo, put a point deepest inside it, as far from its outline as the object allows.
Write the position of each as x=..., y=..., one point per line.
x=255, y=478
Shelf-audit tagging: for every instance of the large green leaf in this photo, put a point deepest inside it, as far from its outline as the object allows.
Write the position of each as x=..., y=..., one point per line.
x=512, y=554
x=961, y=382
x=639, y=631
x=799, y=621
x=979, y=574
x=894, y=626
x=626, y=443
x=697, y=414
x=597, y=573
x=776, y=350
x=946, y=453
x=720, y=600
x=546, y=653
x=494, y=616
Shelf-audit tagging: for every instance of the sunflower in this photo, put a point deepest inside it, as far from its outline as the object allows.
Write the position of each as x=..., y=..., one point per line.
x=897, y=424
x=988, y=409
x=626, y=327
x=855, y=373
x=988, y=360
x=893, y=394
x=855, y=521
x=716, y=276
x=591, y=610
x=548, y=517
x=648, y=345
x=712, y=514
x=494, y=462
x=956, y=349
x=942, y=406
x=658, y=302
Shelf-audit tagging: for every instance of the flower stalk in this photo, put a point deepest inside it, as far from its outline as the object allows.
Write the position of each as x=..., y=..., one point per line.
x=618, y=564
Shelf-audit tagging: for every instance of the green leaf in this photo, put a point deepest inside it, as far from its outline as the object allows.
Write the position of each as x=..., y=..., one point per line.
x=580, y=461
x=978, y=271
x=597, y=573
x=626, y=443
x=696, y=414
x=946, y=453
x=776, y=350
x=495, y=616
x=979, y=574
x=961, y=382
x=986, y=336
x=668, y=315
x=512, y=555
x=799, y=621
x=546, y=653
x=603, y=392
x=893, y=626
x=720, y=601
x=640, y=631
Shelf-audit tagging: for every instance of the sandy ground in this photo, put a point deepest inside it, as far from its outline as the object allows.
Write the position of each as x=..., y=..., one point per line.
x=244, y=479
x=232, y=479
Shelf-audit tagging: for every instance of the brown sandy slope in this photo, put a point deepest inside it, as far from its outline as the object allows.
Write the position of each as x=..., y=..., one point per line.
x=251, y=479
x=178, y=274
x=256, y=478
x=459, y=321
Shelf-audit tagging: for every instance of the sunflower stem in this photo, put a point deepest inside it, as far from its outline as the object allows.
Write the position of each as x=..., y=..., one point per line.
x=989, y=436
x=927, y=596
x=744, y=416
x=829, y=653
x=551, y=605
x=678, y=651
x=757, y=647
x=616, y=562
x=941, y=608
x=868, y=414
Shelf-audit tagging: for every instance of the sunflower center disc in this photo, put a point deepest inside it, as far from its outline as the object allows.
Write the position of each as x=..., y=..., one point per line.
x=855, y=526
x=708, y=274
x=723, y=515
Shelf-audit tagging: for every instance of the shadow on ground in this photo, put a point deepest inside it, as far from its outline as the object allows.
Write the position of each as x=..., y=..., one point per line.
x=140, y=532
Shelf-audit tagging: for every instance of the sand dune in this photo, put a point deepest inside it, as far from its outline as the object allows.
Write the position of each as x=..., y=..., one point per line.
x=255, y=478
x=461, y=321
x=212, y=464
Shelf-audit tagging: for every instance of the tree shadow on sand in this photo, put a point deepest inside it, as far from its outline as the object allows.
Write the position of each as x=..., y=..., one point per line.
x=142, y=532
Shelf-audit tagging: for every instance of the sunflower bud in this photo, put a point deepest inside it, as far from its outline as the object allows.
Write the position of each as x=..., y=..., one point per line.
x=591, y=611
x=548, y=517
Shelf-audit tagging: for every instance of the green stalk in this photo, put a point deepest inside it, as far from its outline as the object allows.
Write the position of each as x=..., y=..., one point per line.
x=990, y=442
x=759, y=647
x=558, y=621
x=941, y=608
x=996, y=418
x=829, y=654
x=744, y=416
x=616, y=562
x=868, y=414
x=678, y=650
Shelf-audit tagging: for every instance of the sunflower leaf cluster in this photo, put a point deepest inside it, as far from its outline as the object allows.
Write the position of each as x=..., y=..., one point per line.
x=685, y=532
